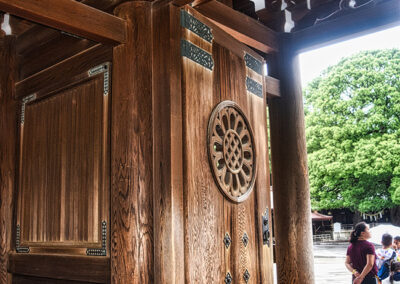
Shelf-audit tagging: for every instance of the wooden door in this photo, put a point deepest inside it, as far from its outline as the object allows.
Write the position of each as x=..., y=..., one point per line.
x=62, y=212
x=225, y=163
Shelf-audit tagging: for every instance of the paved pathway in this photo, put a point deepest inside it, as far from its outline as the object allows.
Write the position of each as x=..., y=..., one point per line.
x=329, y=264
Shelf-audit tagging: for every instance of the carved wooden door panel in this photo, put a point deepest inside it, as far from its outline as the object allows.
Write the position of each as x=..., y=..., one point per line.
x=226, y=175
x=62, y=220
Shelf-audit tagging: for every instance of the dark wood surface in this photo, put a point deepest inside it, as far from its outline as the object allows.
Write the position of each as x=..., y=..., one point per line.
x=70, y=16
x=131, y=150
x=168, y=150
x=204, y=211
x=292, y=208
x=361, y=22
x=8, y=144
x=55, y=74
x=66, y=267
x=21, y=279
x=272, y=87
x=48, y=51
x=64, y=187
x=240, y=26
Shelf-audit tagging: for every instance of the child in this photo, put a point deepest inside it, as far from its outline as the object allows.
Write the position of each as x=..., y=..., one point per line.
x=394, y=275
x=396, y=247
x=384, y=256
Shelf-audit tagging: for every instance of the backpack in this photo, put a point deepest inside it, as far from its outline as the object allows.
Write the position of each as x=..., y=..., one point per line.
x=384, y=271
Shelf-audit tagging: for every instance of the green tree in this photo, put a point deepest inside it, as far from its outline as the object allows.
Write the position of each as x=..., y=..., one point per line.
x=352, y=116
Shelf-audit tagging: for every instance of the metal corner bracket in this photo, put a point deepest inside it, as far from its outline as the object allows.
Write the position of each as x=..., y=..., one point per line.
x=103, y=250
x=26, y=100
x=18, y=248
x=105, y=69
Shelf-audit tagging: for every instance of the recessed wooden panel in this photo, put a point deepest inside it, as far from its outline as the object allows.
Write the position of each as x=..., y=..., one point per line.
x=63, y=196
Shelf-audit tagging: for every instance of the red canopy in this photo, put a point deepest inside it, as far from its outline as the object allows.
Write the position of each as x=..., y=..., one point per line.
x=315, y=216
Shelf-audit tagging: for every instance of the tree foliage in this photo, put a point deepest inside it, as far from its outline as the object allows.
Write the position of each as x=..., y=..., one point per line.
x=352, y=116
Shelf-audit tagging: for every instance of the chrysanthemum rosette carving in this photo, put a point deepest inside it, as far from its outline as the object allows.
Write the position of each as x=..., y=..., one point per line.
x=231, y=151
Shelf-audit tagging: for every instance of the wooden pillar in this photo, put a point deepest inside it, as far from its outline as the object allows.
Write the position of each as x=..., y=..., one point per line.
x=131, y=150
x=292, y=209
x=8, y=142
x=169, y=242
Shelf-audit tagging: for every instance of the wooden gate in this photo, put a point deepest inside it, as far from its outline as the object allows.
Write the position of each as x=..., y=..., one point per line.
x=223, y=136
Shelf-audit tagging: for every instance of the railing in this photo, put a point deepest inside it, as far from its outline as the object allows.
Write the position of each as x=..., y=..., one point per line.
x=322, y=237
x=347, y=227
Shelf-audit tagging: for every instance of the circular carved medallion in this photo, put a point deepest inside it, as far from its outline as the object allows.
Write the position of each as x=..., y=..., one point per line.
x=231, y=151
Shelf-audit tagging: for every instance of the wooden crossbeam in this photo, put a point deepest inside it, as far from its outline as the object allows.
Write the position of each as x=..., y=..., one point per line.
x=242, y=27
x=272, y=87
x=70, y=16
x=348, y=26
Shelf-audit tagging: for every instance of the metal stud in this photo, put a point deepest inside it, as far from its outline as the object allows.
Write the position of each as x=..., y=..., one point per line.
x=245, y=239
x=227, y=240
x=228, y=278
x=246, y=276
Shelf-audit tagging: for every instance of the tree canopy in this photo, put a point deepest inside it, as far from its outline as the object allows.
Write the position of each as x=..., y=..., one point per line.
x=352, y=114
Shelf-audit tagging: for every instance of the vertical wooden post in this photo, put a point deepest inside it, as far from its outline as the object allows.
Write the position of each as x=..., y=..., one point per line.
x=169, y=242
x=131, y=150
x=292, y=210
x=8, y=141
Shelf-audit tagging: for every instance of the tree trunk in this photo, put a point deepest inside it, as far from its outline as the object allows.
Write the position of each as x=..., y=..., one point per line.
x=395, y=215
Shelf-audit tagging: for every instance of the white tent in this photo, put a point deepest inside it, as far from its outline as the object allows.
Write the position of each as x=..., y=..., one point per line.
x=378, y=231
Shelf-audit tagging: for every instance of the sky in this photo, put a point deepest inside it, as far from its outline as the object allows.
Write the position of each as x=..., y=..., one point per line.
x=313, y=62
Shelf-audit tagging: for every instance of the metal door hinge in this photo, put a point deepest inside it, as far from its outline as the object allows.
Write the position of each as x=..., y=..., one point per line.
x=265, y=227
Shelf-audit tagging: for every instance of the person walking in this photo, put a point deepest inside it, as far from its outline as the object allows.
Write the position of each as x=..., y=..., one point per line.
x=360, y=257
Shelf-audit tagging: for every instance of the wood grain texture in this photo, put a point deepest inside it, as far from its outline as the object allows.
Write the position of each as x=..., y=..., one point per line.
x=292, y=209
x=169, y=264
x=243, y=28
x=55, y=74
x=131, y=150
x=272, y=87
x=64, y=165
x=70, y=16
x=204, y=247
x=263, y=203
x=20, y=279
x=49, y=53
x=232, y=87
x=8, y=143
x=65, y=267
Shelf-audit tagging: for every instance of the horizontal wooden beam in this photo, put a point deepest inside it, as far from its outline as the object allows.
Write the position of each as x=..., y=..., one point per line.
x=272, y=87
x=70, y=16
x=74, y=65
x=78, y=268
x=359, y=22
x=240, y=26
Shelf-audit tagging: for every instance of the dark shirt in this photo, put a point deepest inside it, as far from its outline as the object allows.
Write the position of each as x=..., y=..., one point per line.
x=358, y=256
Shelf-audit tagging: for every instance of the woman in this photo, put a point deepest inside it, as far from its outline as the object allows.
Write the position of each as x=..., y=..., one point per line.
x=360, y=259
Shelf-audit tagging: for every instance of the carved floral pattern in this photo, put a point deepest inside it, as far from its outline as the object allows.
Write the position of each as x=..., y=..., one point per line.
x=231, y=151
